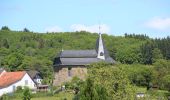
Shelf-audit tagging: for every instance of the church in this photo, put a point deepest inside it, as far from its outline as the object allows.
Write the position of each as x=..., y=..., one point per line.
x=71, y=63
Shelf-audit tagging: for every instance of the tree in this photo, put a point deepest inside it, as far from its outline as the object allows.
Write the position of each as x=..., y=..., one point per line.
x=4, y=97
x=41, y=43
x=166, y=82
x=91, y=91
x=5, y=28
x=113, y=79
x=13, y=60
x=162, y=69
x=88, y=91
x=26, y=30
x=26, y=94
x=156, y=54
x=146, y=52
x=5, y=43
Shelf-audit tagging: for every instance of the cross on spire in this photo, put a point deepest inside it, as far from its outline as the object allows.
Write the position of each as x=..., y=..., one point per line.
x=99, y=29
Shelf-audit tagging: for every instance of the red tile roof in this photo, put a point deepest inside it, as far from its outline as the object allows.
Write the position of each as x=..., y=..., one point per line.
x=9, y=78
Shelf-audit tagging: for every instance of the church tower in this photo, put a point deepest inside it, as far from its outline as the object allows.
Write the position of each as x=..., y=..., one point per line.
x=100, y=47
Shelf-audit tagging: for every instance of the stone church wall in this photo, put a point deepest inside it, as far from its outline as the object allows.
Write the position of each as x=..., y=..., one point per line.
x=66, y=73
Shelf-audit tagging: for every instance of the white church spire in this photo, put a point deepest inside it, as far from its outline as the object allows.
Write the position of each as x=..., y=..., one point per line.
x=100, y=48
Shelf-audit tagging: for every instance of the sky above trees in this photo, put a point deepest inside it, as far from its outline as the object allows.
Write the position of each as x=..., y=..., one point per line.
x=116, y=17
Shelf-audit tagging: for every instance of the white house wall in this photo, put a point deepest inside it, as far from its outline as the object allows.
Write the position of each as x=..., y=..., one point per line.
x=9, y=89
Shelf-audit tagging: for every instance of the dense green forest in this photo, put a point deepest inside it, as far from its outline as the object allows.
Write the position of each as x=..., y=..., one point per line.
x=146, y=60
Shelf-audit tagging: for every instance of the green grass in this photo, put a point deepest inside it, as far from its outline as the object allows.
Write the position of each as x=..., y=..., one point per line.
x=141, y=89
x=150, y=95
x=59, y=96
x=153, y=94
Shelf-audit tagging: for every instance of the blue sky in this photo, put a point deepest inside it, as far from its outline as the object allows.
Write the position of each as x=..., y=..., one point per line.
x=116, y=17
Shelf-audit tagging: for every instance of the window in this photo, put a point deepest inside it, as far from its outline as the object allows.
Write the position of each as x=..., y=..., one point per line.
x=14, y=88
x=101, y=54
x=26, y=82
x=69, y=71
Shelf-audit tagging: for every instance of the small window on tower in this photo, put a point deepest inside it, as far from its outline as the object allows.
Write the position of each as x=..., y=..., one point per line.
x=101, y=54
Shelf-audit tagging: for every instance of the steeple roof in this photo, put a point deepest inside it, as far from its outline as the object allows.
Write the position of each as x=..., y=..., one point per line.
x=106, y=53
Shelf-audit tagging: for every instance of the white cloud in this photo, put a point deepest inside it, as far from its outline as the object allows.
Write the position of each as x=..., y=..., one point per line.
x=93, y=28
x=54, y=29
x=162, y=24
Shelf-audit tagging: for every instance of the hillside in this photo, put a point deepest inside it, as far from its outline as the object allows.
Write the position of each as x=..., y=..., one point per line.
x=143, y=60
x=27, y=50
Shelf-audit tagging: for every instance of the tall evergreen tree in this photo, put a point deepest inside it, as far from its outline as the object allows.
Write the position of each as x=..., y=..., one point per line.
x=5, y=28
x=5, y=43
x=26, y=30
x=146, y=52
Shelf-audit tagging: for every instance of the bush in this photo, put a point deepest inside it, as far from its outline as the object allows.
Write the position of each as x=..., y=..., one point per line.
x=4, y=97
x=26, y=94
x=74, y=83
x=19, y=89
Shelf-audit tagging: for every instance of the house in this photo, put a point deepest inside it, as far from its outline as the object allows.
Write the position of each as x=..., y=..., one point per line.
x=9, y=81
x=72, y=63
x=36, y=76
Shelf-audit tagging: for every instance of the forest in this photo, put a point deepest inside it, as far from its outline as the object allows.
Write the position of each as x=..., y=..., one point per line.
x=145, y=61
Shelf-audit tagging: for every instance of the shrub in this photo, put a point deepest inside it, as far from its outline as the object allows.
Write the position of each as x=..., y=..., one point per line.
x=4, y=97
x=26, y=94
x=19, y=89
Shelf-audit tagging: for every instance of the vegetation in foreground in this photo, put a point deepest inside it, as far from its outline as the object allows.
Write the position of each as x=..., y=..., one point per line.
x=141, y=61
x=106, y=82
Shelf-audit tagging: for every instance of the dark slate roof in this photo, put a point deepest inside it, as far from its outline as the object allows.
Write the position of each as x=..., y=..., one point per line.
x=78, y=54
x=33, y=73
x=78, y=61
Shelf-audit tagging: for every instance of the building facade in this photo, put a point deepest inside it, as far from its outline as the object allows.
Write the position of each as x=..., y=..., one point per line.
x=35, y=76
x=71, y=63
x=9, y=81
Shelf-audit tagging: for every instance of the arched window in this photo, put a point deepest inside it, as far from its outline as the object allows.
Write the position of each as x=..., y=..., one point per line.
x=101, y=54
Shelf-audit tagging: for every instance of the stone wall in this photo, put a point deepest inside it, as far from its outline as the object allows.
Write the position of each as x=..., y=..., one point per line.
x=66, y=73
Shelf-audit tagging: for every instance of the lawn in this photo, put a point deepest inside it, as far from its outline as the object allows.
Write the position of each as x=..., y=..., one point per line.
x=154, y=94
x=141, y=89
x=67, y=95
x=59, y=96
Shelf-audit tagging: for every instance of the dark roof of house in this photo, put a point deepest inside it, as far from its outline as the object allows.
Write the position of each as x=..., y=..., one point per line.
x=78, y=54
x=33, y=73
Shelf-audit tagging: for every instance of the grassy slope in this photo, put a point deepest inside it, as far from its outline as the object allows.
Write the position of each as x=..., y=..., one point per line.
x=59, y=96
